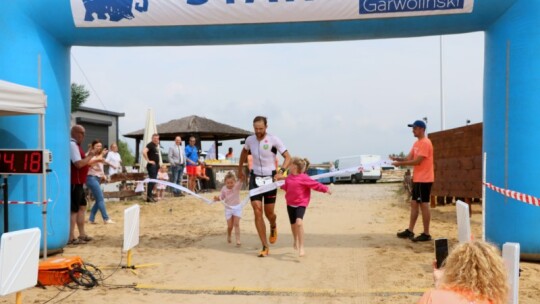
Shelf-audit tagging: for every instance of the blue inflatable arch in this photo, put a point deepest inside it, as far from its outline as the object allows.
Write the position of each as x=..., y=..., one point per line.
x=47, y=29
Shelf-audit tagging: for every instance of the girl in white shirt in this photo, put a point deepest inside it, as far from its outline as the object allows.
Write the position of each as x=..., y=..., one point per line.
x=230, y=195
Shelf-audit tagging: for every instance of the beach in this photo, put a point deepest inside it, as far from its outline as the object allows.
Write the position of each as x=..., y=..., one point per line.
x=352, y=254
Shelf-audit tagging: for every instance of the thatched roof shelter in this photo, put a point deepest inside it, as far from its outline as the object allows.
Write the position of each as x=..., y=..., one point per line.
x=202, y=128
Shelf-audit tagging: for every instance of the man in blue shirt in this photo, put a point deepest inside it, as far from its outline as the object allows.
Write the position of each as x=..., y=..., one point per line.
x=192, y=161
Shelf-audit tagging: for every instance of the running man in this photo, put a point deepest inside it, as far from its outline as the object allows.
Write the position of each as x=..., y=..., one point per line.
x=263, y=148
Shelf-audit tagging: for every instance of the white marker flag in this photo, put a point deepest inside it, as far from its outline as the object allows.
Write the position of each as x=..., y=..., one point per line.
x=510, y=254
x=463, y=221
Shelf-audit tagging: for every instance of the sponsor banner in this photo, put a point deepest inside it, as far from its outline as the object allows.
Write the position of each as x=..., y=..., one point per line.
x=124, y=13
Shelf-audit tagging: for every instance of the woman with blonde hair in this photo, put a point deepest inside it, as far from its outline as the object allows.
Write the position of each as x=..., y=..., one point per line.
x=474, y=272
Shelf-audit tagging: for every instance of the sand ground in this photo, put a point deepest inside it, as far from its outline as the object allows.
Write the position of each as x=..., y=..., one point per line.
x=352, y=254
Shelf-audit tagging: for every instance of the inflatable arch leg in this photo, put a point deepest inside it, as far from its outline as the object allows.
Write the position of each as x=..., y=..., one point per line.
x=19, y=62
x=511, y=126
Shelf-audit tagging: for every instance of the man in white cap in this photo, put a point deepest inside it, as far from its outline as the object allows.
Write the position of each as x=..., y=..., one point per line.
x=421, y=157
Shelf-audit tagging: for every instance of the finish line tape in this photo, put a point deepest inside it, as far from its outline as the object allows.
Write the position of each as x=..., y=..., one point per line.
x=525, y=198
x=252, y=192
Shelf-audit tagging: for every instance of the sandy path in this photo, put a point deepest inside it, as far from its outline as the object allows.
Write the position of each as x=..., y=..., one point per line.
x=352, y=255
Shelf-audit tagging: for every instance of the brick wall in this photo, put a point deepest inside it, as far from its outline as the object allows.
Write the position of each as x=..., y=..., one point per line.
x=458, y=162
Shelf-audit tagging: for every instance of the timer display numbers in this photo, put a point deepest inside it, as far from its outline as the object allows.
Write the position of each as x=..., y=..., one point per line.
x=21, y=161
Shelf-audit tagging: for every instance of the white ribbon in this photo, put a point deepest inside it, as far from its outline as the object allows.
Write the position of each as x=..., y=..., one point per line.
x=140, y=188
x=276, y=184
x=252, y=192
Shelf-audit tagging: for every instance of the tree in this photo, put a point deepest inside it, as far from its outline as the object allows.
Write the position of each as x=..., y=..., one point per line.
x=127, y=158
x=401, y=155
x=79, y=95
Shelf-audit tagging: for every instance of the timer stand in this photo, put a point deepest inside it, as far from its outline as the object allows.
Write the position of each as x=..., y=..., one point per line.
x=24, y=162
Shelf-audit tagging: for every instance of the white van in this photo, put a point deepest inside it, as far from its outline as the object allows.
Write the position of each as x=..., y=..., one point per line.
x=371, y=169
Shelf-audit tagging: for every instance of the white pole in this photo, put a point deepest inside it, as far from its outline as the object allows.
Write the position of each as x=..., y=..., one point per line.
x=441, y=80
x=484, y=170
x=44, y=199
x=510, y=254
x=43, y=180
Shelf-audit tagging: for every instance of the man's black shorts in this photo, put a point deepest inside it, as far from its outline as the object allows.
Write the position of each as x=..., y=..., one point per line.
x=78, y=197
x=269, y=197
x=421, y=192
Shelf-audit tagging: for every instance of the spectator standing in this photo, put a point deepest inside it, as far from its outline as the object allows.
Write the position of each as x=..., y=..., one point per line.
x=95, y=176
x=421, y=157
x=151, y=154
x=229, y=154
x=263, y=147
x=114, y=160
x=177, y=159
x=192, y=161
x=79, y=171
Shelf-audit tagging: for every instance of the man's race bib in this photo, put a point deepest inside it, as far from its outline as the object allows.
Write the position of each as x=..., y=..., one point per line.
x=263, y=180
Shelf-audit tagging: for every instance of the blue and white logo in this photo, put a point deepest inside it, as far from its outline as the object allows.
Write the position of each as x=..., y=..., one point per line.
x=112, y=10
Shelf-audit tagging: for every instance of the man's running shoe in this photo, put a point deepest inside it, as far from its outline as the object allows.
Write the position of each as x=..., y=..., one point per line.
x=422, y=238
x=405, y=234
x=264, y=252
x=273, y=235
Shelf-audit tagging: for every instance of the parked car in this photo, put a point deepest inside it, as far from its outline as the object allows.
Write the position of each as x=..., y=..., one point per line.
x=370, y=168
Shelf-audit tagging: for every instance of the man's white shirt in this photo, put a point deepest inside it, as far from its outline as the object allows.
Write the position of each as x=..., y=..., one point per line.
x=264, y=153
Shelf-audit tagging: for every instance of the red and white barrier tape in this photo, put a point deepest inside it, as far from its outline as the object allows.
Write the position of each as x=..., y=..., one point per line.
x=525, y=198
x=23, y=203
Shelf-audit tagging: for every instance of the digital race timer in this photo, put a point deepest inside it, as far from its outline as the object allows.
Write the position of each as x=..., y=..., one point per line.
x=21, y=162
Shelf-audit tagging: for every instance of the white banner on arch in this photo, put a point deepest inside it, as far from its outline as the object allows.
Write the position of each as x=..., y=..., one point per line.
x=127, y=13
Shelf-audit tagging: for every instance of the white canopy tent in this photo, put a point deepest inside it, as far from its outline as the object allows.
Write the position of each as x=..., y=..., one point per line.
x=20, y=100
x=16, y=99
x=150, y=129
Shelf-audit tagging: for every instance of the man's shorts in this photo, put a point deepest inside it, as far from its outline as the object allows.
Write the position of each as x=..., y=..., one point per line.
x=267, y=197
x=295, y=213
x=421, y=192
x=191, y=170
x=78, y=198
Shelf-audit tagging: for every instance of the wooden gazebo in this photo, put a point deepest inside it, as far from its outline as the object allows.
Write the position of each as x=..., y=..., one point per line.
x=203, y=129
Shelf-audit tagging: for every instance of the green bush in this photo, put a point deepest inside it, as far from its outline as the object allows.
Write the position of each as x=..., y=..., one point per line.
x=125, y=153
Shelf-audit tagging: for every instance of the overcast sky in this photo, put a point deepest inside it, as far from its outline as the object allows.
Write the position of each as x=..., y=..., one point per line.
x=324, y=100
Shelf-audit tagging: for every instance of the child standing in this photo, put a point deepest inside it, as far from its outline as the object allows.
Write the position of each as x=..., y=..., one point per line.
x=162, y=175
x=230, y=195
x=298, y=186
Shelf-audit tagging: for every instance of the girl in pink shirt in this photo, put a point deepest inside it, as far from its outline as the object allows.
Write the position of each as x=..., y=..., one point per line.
x=230, y=195
x=298, y=186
